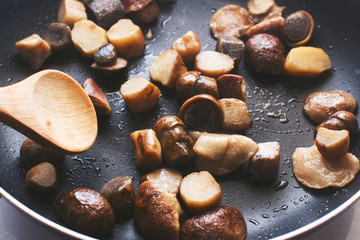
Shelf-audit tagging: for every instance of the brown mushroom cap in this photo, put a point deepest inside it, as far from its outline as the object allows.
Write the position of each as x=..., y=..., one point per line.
x=202, y=113
x=299, y=28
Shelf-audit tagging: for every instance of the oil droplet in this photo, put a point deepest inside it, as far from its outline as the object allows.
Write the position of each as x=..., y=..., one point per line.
x=265, y=216
x=97, y=170
x=268, y=205
x=282, y=184
x=76, y=158
x=284, y=207
x=276, y=210
x=253, y=221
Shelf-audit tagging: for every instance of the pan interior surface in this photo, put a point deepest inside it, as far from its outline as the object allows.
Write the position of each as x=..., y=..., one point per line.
x=275, y=102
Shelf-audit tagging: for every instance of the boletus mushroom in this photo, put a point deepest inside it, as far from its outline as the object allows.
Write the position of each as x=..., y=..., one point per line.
x=201, y=112
x=299, y=28
x=58, y=36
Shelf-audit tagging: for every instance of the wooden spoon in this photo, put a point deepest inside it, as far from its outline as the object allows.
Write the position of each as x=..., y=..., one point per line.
x=51, y=108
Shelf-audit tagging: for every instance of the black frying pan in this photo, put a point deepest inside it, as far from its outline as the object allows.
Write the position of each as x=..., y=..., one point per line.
x=268, y=212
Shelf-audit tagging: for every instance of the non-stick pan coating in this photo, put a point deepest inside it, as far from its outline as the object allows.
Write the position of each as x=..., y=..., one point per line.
x=268, y=212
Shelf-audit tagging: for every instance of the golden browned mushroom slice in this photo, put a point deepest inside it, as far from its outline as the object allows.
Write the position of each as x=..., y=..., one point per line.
x=127, y=38
x=71, y=11
x=188, y=46
x=213, y=64
x=306, y=62
x=264, y=165
x=120, y=63
x=147, y=149
x=299, y=28
x=42, y=179
x=274, y=26
x=332, y=144
x=176, y=144
x=260, y=7
x=97, y=97
x=221, y=154
x=167, y=68
x=315, y=171
x=34, y=50
x=319, y=106
x=88, y=37
x=236, y=116
x=121, y=195
x=168, y=178
x=200, y=191
x=231, y=20
x=225, y=223
x=201, y=112
x=157, y=212
x=140, y=95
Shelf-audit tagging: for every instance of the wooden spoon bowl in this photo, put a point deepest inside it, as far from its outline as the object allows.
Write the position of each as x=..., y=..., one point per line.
x=51, y=108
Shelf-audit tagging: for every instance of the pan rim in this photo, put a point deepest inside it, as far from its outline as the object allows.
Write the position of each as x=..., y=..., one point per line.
x=71, y=233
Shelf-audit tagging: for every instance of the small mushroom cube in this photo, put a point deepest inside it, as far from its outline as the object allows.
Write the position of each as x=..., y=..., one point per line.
x=97, y=97
x=147, y=149
x=34, y=50
x=167, y=68
x=127, y=38
x=71, y=11
x=232, y=86
x=88, y=37
x=140, y=95
x=236, y=116
x=231, y=46
x=332, y=144
x=188, y=46
x=107, y=12
x=146, y=15
x=264, y=165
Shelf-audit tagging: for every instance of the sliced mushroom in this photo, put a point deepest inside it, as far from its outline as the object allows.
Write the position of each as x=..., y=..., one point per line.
x=176, y=144
x=275, y=11
x=202, y=113
x=168, y=68
x=42, y=179
x=200, y=191
x=188, y=46
x=213, y=64
x=235, y=113
x=306, y=62
x=88, y=37
x=232, y=86
x=299, y=28
x=106, y=12
x=231, y=46
x=167, y=178
x=71, y=11
x=264, y=165
x=34, y=50
x=223, y=153
x=315, y=171
x=140, y=95
x=193, y=83
x=97, y=97
x=332, y=144
x=231, y=20
x=223, y=222
x=265, y=53
x=121, y=195
x=127, y=38
x=274, y=26
x=120, y=64
x=320, y=105
x=157, y=212
x=147, y=149
x=260, y=7
x=58, y=36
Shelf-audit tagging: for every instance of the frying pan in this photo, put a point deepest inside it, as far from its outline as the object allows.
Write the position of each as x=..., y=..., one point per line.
x=269, y=211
